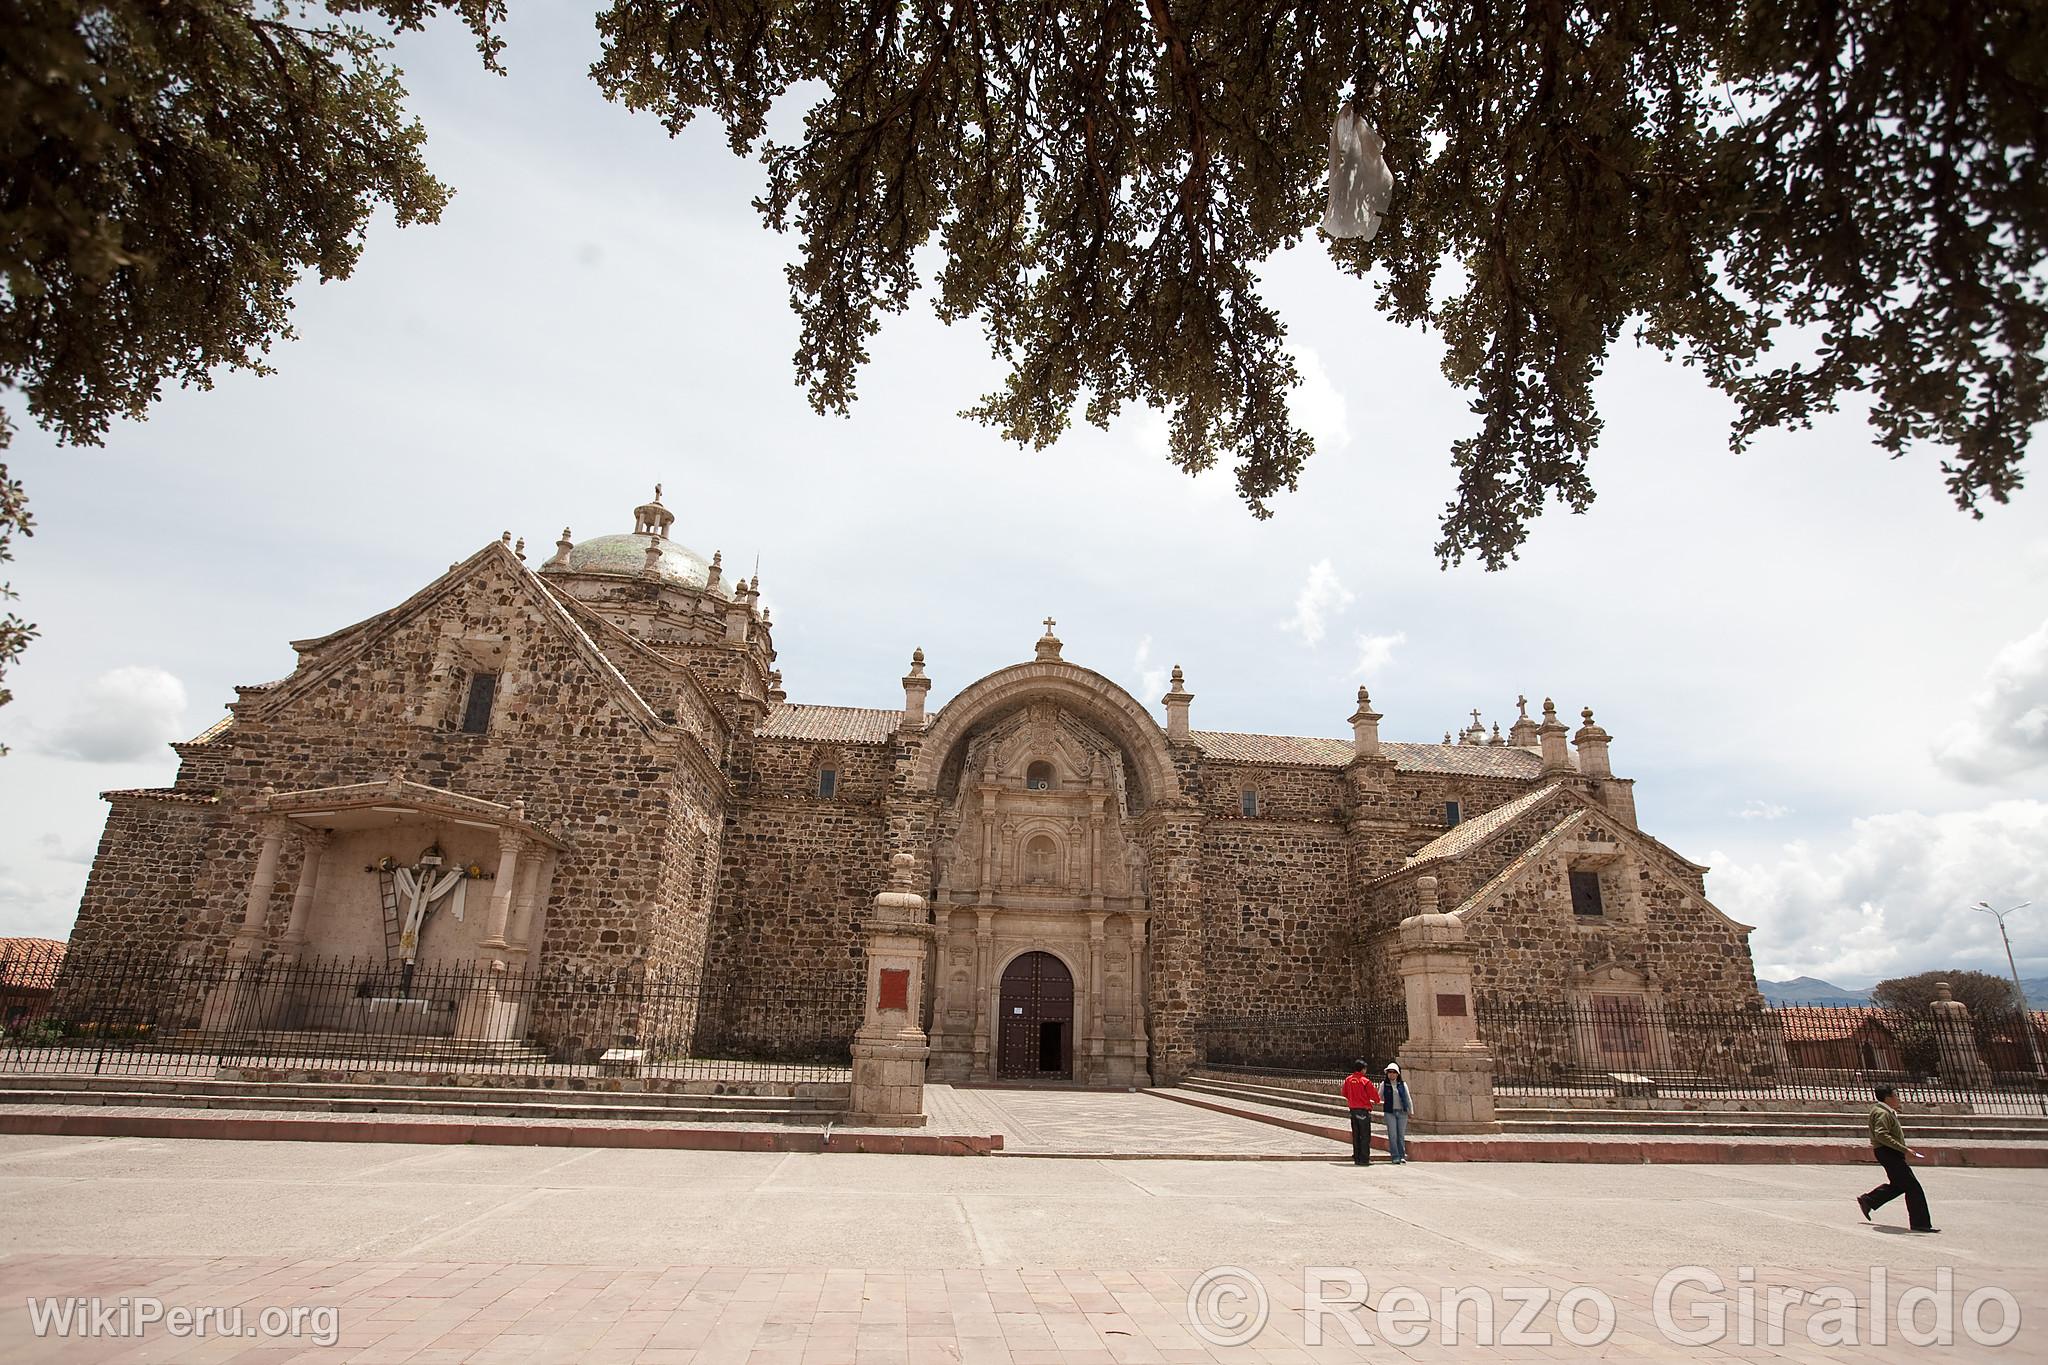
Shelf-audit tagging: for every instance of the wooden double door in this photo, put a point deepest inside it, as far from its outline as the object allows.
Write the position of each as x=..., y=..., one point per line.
x=1036, y=1007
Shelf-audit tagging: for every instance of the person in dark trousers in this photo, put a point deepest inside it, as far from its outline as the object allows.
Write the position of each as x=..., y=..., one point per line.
x=1888, y=1144
x=1399, y=1109
x=1360, y=1095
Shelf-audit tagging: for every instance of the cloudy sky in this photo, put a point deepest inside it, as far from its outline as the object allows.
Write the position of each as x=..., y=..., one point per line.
x=1831, y=685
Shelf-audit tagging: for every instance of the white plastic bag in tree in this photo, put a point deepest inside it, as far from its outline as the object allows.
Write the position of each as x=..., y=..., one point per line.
x=1361, y=186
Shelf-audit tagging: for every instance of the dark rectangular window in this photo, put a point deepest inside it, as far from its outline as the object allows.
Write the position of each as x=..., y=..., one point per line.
x=476, y=712
x=1451, y=815
x=828, y=782
x=1248, y=802
x=1586, y=894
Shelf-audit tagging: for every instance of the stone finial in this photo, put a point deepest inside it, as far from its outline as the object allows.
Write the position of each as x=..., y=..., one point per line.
x=1176, y=702
x=1425, y=895
x=915, y=686
x=518, y=808
x=652, y=519
x=1048, y=644
x=1551, y=737
x=519, y=548
x=1365, y=728
x=1496, y=740
x=505, y=539
x=1591, y=741
x=1522, y=734
x=1447, y=737
x=562, y=548
x=775, y=692
x=736, y=614
x=903, y=872
x=712, y=574
x=1942, y=991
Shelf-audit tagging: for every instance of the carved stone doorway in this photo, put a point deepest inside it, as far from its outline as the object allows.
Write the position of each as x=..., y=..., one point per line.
x=1037, y=1013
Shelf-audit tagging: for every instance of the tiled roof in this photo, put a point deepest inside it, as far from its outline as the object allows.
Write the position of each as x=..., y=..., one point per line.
x=840, y=724
x=1476, y=760
x=30, y=963
x=1469, y=835
x=213, y=731
x=1826, y=1023
x=163, y=794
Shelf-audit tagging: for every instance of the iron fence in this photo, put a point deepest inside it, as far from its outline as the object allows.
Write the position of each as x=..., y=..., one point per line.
x=1637, y=1046
x=1320, y=1041
x=142, y=1013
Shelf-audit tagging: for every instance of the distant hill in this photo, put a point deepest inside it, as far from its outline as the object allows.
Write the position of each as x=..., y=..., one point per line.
x=1810, y=990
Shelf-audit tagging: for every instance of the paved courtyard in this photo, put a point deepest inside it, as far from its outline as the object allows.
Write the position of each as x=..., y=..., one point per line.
x=448, y=1254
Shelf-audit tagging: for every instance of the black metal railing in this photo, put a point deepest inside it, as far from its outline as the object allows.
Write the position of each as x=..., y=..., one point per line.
x=1320, y=1041
x=1638, y=1046
x=144, y=1014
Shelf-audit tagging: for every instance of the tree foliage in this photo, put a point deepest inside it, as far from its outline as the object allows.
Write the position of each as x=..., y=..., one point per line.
x=1983, y=992
x=169, y=170
x=1807, y=199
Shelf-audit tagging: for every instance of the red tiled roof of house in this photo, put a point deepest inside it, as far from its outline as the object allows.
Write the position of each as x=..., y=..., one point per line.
x=30, y=963
x=1826, y=1023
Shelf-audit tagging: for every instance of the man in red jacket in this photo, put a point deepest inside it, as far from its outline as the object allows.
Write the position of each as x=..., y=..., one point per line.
x=1361, y=1096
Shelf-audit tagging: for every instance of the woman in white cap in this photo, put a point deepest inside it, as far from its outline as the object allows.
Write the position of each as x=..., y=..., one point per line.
x=1398, y=1106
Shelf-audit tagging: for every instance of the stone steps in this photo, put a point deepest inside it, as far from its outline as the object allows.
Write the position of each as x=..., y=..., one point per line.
x=1581, y=1121
x=400, y=1099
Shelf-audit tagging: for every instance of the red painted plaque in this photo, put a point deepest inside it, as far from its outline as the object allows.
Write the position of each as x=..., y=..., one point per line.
x=1450, y=1007
x=895, y=988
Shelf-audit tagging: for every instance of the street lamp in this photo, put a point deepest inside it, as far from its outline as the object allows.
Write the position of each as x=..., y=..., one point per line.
x=2019, y=991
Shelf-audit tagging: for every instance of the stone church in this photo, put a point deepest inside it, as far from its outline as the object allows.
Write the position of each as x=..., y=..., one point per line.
x=592, y=764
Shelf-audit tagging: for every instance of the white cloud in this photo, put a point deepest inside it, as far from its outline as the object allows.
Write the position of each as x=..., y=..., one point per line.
x=29, y=910
x=1892, y=897
x=1152, y=678
x=2005, y=731
x=59, y=849
x=1322, y=596
x=1763, y=810
x=122, y=716
x=1375, y=652
x=1317, y=407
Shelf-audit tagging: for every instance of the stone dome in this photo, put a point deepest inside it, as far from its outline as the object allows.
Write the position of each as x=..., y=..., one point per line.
x=627, y=554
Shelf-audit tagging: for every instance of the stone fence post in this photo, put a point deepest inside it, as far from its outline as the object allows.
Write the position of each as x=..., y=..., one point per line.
x=1447, y=1067
x=1957, y=1040
x=890, y=1050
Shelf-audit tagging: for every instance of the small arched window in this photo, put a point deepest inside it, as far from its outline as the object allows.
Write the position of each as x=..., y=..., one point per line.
x=1038, y=777
x=1248, y=803
x=828, y=782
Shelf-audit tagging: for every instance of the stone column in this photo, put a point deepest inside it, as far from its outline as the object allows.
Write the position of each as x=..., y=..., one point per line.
x=1961, y=1065
x=1175, y=846
x=1092, y=1044
x=533, y=873
x=985, y=993
x=1447, y=1067
x=504, y=890
x=312, y=848
x=248, y=941
x=890, y=1050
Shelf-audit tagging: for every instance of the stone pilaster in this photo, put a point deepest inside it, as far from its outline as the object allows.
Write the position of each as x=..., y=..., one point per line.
x=890, y=1050
x=312, y=848
x=1173, y=838
x=1448, y=1068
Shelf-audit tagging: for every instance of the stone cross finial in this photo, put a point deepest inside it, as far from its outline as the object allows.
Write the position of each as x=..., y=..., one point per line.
x=1049, y=623
x=1475, y=718
x=1522, y=705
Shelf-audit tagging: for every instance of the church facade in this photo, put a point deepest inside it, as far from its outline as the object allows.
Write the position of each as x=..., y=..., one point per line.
x=591, y=764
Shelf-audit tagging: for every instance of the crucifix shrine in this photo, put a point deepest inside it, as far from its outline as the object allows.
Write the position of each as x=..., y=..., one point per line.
x=416, y=893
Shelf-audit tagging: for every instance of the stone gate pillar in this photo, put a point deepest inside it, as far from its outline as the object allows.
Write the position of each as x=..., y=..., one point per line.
x=890, y=1050
x=1447, y=1067
x=1961, y=1064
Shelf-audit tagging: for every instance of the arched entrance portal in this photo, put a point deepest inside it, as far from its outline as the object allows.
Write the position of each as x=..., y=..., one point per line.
x=1037, y=1012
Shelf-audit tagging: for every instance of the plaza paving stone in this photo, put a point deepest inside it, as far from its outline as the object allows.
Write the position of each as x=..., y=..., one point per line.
x=500, y=1254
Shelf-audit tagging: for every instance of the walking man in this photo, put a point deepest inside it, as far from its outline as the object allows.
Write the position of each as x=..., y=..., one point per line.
x=1394, y=1096
x=1888, y=1144
x=1361, y=1097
